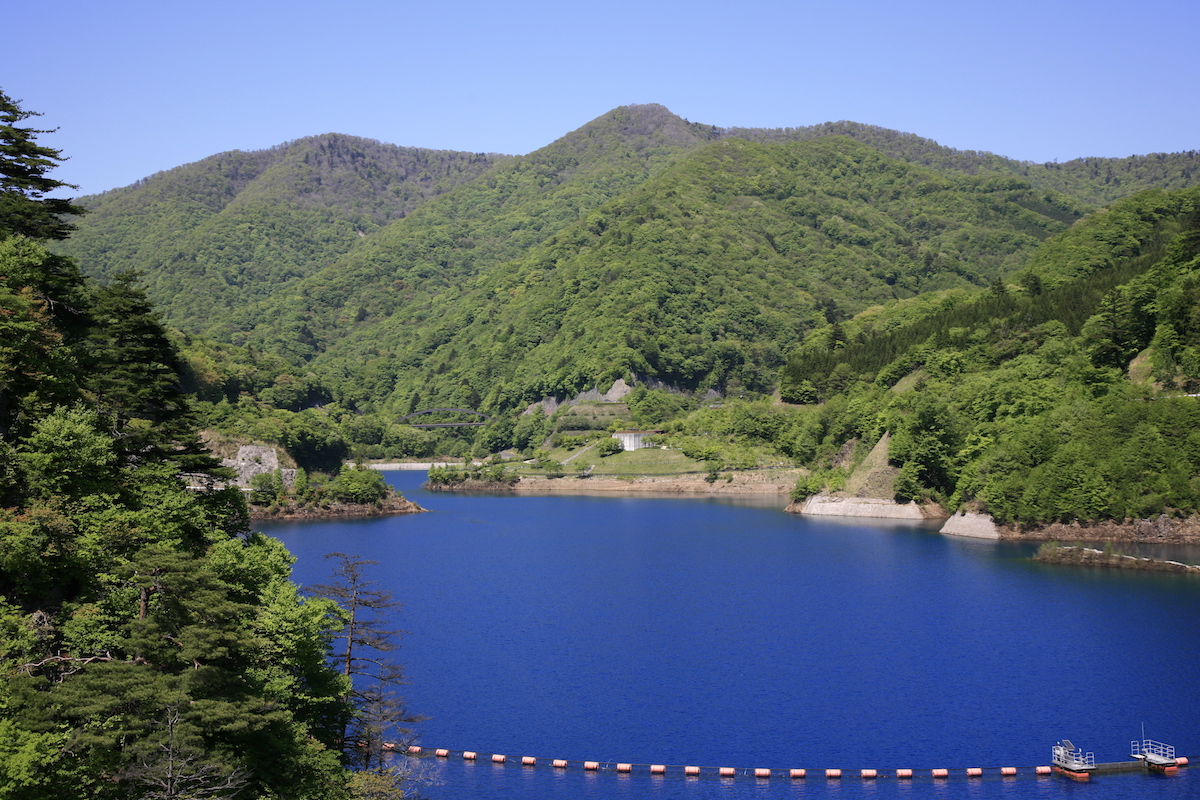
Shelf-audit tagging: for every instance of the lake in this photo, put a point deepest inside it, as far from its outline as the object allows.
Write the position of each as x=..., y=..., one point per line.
x=729, y=633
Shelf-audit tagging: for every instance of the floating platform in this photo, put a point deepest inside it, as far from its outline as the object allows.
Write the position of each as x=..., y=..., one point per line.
x=1148, y=756
x=1156, y=756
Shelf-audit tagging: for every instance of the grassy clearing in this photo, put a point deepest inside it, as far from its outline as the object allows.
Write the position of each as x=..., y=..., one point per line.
x=591, y=416
x=650, y=461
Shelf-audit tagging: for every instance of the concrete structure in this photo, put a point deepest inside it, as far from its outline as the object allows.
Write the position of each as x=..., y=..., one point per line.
x=253, y=460
x=634, y=440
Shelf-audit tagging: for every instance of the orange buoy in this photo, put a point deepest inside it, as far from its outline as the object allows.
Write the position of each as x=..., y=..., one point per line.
x=624, y=767
x=415, y=749
x=691, y=770
x=798, y=773
x=833, y=773
x=974, y=772
x=658, y=769
x=941, y=773
x=1042, y=770
x=727, y=772
x=469, y=756
x=560, y=763
x=498, y=759
x=592, y=765
x=762, y=773
x=869, y=773
x=528, y=761
x=441, y=752
x=1008, y=770
x=904, y=773
x=1181, y=761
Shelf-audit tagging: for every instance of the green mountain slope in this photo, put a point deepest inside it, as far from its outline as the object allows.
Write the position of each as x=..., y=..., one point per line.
x=1040, y=405
x=1096, y=181
x=437, y=250
x=220, y=233
x=640, y=243
x=703, y=276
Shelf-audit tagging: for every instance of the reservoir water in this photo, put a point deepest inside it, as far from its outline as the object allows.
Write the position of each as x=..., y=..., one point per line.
x=723, y=633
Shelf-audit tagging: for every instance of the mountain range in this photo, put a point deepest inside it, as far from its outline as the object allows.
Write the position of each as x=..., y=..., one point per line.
x=640, y=245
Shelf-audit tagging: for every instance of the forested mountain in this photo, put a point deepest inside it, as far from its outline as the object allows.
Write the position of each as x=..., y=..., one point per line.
x=1097, y=181
x=702, y=277
x=241, y=226
x=639, y=244
x=218, y=234
x=1034, y=404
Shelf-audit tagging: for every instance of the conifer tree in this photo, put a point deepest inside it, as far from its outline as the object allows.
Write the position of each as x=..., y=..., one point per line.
x=24, y=208
x=380, y=713
x=133, y=379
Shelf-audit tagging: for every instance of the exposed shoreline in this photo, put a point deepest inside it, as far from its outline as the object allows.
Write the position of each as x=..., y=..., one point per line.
x=778, y=483
x=825, y=505
x=1090, y=557
x=1161, y=530
x=391, y=506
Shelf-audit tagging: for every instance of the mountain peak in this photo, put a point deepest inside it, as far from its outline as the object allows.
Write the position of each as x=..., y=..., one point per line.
x=636, y=128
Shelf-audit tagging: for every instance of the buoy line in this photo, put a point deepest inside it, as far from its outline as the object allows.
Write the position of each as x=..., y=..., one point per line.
x=693, y=771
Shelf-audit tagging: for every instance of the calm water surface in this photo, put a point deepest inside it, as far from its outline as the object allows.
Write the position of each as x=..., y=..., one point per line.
x=688, y=631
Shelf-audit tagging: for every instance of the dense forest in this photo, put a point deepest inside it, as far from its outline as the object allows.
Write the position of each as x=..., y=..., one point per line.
x=833, y=264
x=151, y=645
x=214, y=236
x=1069, y=395
x=639, y=245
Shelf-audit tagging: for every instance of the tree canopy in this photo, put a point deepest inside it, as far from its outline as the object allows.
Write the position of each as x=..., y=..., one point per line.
x=151, y=645
x=25, y=210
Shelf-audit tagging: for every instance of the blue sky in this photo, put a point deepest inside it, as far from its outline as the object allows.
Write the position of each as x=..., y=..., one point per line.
x=139, y=87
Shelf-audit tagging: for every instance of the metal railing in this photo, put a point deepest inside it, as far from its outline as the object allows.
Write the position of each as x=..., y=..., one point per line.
x=1072, y=759
x=1150, y=747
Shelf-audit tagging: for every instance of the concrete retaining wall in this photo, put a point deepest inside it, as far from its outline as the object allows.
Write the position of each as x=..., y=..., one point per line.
x=827, y=506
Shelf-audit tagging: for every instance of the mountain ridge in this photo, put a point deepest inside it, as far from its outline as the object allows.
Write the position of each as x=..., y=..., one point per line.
x=245, y=224
x=342, y=282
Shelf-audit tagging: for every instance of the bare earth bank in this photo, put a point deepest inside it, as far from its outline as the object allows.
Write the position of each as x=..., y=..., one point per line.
x=775, y=482
x=385, y=508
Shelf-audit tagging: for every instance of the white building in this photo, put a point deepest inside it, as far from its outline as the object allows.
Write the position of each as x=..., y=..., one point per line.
x=634, y=440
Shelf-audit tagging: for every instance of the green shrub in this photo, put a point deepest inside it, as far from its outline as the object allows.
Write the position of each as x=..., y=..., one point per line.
x=358, y=485
x=608, y=447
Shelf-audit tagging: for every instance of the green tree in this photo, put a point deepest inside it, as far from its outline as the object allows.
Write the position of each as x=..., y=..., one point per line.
x=359, y=484
x=608, y=447
x=24, y=208
x=315, y=441
x=133, y=378
x=67, y=454
x=363, y=642
x=530, y=430
x=266, y=488
x=40, y=320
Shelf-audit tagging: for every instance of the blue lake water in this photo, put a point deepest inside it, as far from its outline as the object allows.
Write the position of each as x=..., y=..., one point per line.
x=701, y=632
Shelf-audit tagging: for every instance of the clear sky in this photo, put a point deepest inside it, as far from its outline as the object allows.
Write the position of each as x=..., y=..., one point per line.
x=137, y=87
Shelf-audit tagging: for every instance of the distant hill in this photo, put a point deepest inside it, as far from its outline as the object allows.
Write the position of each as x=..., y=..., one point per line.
x=1097, y=181
x=639, y=244
x=217, y=234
